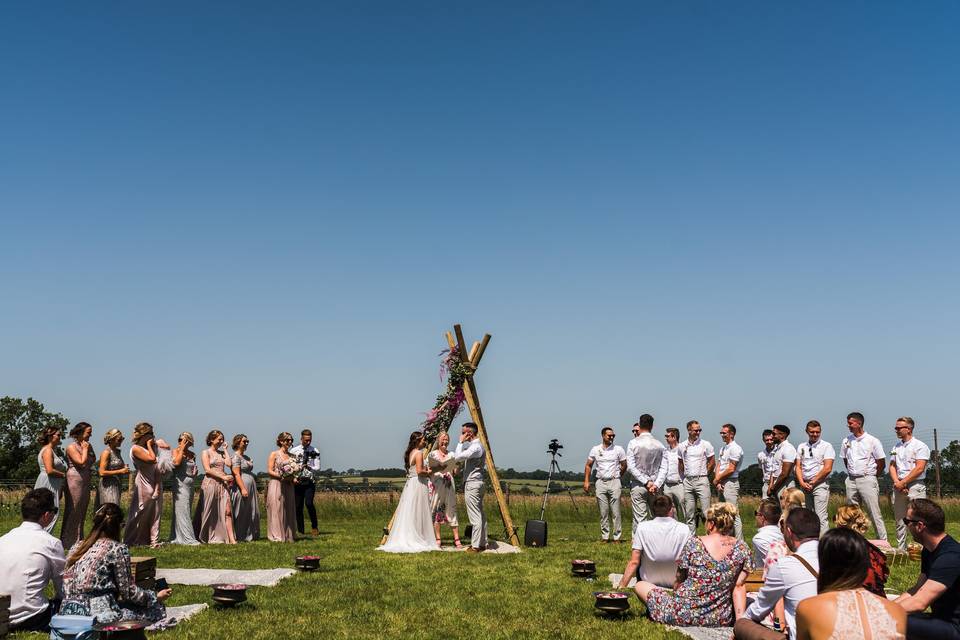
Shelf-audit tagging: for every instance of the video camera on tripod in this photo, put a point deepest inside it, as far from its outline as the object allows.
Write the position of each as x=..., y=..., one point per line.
x=554, y=448
x=535, y=531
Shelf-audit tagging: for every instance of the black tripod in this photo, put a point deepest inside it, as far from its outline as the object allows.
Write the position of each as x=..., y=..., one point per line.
x=553, y=451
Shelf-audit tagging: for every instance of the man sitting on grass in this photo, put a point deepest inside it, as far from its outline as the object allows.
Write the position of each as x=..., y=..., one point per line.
x=30, y=558
x=657, y=544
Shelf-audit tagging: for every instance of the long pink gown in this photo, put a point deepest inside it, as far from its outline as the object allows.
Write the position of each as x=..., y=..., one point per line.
x=143, y=519
x=213, y=519
x=77, y=499
x=281, y=510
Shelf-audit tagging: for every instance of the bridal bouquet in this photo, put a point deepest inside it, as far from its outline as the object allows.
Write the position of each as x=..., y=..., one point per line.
x=289, y=469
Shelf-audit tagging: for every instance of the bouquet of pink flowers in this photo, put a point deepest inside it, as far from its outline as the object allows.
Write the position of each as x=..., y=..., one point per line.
x=289, y=468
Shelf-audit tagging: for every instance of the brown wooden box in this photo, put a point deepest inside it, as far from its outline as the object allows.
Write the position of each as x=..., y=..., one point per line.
x=754, y=581
x=144, y=570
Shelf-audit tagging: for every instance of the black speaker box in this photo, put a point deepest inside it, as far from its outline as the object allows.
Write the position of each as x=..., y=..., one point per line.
x=535, y=533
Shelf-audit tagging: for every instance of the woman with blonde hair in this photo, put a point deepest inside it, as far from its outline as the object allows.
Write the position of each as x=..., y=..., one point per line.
x=112, y=467
x=143, y=522
x=98, y=581
x=281, y=511
x=243, y=495
x=213, y=518
x=709, y=590
x=852, y=517
x=791, y=498
x=53, y=468
x=184, y=473
x=80, y=461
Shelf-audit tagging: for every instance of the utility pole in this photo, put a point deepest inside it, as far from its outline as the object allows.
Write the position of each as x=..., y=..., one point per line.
x=936, y=460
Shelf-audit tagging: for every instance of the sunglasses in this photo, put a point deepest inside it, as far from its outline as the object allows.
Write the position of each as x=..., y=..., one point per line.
x=909, y=521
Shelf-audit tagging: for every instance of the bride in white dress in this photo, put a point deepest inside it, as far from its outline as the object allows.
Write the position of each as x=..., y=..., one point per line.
x=412, y=529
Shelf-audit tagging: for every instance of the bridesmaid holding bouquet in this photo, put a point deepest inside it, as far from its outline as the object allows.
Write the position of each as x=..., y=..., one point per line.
x=281, y=511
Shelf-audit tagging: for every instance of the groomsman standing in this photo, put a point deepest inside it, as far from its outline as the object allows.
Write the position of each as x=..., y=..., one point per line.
x=646, y=464
x=471, y=453
x=767, y=460
x=785, y=456
x=696, y=461
x=864, y=459
x=673, y=485
x=727, y=478
x=814, y=465
x=908, y=469
x=611, y=461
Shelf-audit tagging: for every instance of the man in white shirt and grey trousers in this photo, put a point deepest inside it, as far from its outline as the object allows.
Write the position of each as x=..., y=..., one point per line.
x=908, y=468
x=696, y=461
x=793, y=578
x=611, y=461
x=471, y=453
x=727, y=477
x=647, y=464
x=864, y=459
x=814, y=464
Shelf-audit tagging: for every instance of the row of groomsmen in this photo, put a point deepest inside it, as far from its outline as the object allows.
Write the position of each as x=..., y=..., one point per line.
x=683, y=470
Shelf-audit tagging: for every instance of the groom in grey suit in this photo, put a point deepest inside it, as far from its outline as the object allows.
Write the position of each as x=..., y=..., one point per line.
x=470, y=451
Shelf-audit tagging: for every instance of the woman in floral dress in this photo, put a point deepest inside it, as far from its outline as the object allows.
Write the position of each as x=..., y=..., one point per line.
x=98, y=581
x=443, y=490
x=711, y=572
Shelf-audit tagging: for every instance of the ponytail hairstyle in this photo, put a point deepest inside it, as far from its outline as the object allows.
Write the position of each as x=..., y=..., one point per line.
x=78, y=429
x=415, y=438
x=47, y=434
x=106, y=524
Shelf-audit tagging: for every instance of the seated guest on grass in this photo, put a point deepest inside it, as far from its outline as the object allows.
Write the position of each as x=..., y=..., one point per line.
x=711, y=570
x=852, y=517
x=98, y=581
x=938, y=585
x=844, y=609
x=793, y=578
x=31, y=558
x=657, y=545
x=768, y=529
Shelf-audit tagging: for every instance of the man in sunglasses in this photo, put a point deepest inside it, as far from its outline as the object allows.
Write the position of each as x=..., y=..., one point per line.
x=30, y=558
x=908, y=469
x=696, y=461
x=938, y=585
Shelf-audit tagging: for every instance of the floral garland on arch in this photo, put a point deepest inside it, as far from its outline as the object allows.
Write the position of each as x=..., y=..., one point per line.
x=450, y=402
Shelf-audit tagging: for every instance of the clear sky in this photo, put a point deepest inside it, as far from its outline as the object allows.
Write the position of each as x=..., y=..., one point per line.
x=263, y=217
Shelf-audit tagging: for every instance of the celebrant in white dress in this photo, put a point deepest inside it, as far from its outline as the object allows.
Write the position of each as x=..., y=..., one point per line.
x=443, y=490
x=412, y=530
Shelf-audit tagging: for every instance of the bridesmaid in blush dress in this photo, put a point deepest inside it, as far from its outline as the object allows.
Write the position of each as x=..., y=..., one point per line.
x=243, y=495
x=281, y=511
x=143, y=519
x=184, y=473
x=213, y=518
x=112, y=468
x=80, y=461
x=53, y=469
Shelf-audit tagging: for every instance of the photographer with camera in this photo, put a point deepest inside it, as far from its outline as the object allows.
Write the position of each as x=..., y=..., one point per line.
x=611, y=461
x=305, y=485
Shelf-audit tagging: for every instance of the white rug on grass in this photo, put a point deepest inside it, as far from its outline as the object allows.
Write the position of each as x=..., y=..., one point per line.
x=492, y=547
x=254, y=577
x=176, y=615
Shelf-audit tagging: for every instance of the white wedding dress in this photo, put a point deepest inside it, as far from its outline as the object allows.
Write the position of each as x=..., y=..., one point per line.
x=412, y=530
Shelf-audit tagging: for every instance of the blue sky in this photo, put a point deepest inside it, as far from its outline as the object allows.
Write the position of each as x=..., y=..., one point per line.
x=262, y=218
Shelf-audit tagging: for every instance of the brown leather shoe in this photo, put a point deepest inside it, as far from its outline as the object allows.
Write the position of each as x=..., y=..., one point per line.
x=314, y=532
x=473, y=550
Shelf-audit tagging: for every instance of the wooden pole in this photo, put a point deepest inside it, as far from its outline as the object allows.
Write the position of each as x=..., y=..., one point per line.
x=473, y=403
x=936, y=460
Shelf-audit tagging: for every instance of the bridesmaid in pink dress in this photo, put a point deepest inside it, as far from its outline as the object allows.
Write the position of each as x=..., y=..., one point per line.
x=281, y=511
x=213, y=519
x=80, y=460
x=143, y=519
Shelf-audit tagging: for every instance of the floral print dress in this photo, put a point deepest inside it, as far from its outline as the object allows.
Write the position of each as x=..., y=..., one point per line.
x=100, y=584
x=704, y=599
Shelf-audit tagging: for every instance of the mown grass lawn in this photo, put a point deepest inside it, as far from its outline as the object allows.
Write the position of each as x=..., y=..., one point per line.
x=361, y=593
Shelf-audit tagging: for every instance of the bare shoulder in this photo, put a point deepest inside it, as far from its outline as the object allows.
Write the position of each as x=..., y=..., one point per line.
x=817, y=614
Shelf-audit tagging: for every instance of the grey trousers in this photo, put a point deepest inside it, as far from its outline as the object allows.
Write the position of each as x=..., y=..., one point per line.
x=694, y=488
x=915, y=489
x=731, y=494
x=640, y=498
x=817, y=501
x=675, y=491
x=765, y=490
x=865, y=492
x=473, y=496
x=608, y=499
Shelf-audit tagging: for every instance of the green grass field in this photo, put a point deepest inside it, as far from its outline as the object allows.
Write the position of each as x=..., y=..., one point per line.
x=360, y=593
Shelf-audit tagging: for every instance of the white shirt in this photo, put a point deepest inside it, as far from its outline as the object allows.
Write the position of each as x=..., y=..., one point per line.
x=767, y=462
x=645, y=459
x=860, y=454
x=673, y=465
x=784, y=452
x=766, y=536
x=471, y=453
x=906, y=454
x=731, y=453
x=607, y=460
x=694, y=456
x=29, y=559
x=660, y=541
x=811, y=457
x=787, y=578
x=309, y=457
